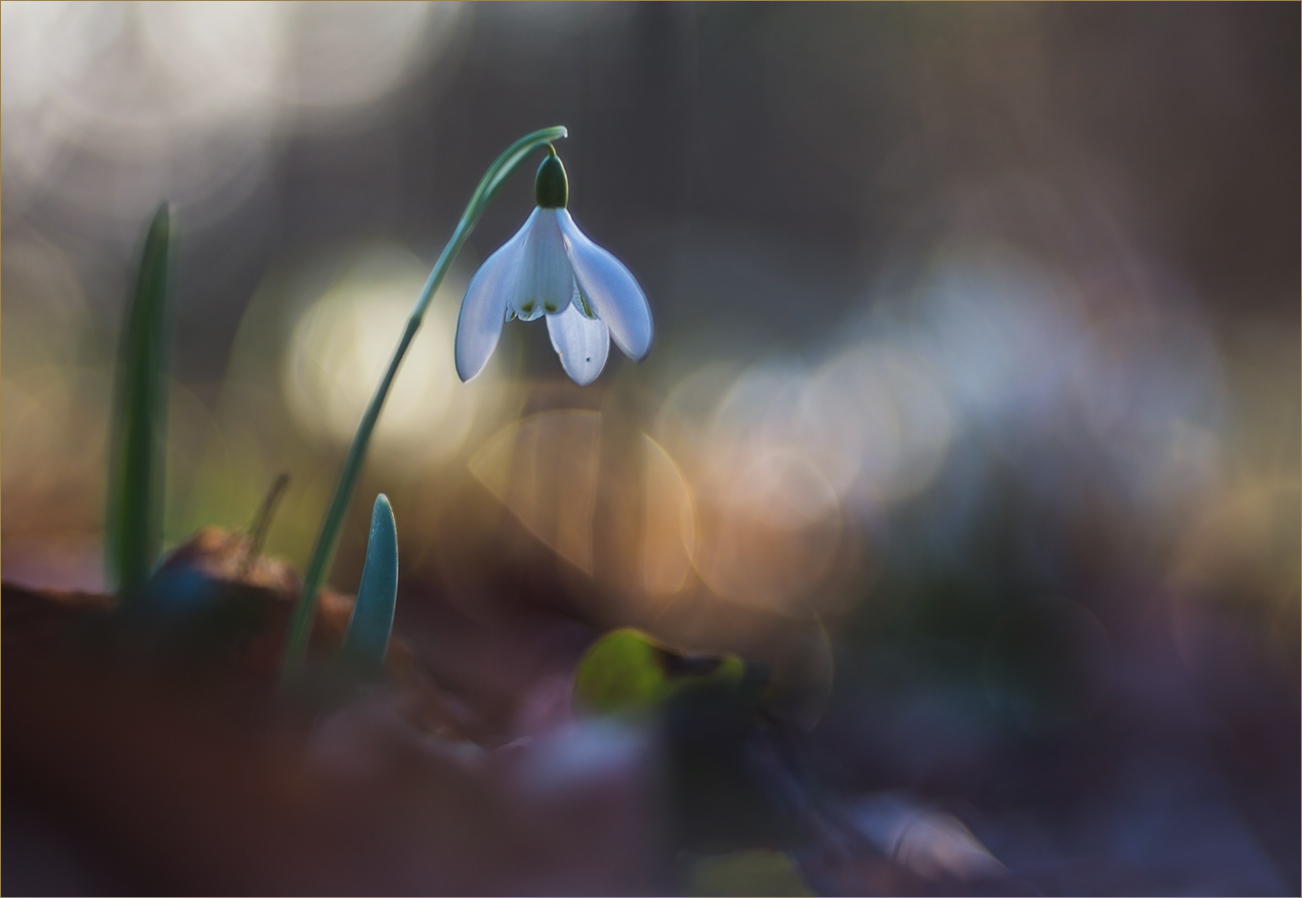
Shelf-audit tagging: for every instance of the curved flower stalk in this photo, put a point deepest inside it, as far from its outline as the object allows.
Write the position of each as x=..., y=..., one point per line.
x=327, y=540
x=551, y=267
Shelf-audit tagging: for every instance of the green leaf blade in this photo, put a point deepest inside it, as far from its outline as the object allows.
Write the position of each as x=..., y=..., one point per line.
x=133, y=526
x=367, y=638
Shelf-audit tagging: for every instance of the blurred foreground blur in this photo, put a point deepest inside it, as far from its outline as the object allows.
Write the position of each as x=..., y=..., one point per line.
x=973, y=414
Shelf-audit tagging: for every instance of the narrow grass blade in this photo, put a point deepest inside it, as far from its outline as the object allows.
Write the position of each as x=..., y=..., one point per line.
x=367, y=638
x=133, y=525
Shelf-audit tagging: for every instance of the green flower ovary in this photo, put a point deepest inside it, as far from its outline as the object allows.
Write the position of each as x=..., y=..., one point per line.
x=551, y=189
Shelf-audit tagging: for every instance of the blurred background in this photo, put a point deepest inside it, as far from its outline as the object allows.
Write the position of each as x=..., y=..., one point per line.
x=973, y=408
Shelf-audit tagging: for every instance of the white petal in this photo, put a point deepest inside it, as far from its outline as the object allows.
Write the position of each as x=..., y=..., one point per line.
x=610, y=288
x=581, y=342
x=484, y=309
x=546, y=279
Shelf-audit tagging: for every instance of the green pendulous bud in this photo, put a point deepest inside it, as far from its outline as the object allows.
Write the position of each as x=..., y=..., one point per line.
x=551, y=189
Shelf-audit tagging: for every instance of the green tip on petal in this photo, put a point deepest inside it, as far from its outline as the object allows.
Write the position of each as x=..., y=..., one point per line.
x=551, y=188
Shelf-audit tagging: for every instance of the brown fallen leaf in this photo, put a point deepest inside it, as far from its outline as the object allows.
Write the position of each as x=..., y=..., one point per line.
x=240, y=602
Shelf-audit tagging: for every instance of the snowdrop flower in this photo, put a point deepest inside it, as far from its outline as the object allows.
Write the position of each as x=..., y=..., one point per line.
x=549, y=267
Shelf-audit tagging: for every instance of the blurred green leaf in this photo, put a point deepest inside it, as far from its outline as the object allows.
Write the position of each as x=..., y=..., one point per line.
x=367, y=638
x=133, y=525
x=627, y=671
x=755, y=872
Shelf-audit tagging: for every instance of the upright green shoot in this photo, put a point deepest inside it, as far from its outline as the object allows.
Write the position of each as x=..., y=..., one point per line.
x=367, y=638
x=133, y=524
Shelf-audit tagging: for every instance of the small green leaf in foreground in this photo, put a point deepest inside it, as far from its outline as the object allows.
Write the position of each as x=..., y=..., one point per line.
x=133, y=525
x=367, y=638
x=628, y=671
x=754, y=872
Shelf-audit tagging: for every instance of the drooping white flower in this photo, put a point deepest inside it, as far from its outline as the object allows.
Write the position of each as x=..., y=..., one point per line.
x=550, y=267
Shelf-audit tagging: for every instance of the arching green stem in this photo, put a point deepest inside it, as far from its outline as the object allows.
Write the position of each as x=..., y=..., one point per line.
x=328, y=539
